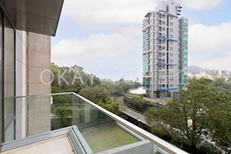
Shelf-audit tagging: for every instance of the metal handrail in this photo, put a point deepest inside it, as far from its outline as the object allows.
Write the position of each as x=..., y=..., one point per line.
x=54, y=94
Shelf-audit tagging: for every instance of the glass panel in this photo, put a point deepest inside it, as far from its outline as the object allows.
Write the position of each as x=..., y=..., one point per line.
x=9, y=133
x=102, y=130
x=20, y=118
x=38, y=114
x=8, y=111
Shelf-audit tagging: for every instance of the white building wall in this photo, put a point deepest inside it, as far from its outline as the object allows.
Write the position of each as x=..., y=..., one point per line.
x=163, y=76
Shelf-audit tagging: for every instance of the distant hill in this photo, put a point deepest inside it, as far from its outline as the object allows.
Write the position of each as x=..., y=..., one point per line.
x=194, y=69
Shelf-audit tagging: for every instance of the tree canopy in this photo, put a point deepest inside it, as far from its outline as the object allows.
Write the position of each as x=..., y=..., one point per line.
x=201, y=114
x=71, y=79
x=74, y=79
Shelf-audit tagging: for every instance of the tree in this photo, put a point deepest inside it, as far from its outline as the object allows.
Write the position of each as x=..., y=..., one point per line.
x=65, y=81
x=61, y=117
x=220, y=128
x=127, y=85
x=188, y=119
x=222, y=85
x=96, y=94
x=116, y=90
x=111, y=106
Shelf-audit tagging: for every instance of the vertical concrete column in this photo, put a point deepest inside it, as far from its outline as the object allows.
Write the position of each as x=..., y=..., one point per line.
x=39, y=111
x=22, y=110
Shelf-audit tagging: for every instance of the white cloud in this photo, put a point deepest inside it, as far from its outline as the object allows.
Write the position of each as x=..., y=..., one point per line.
x=103, y=53
x=219, y=63
x=214, y=38
x=107, y=13
x=210, y=45
x=73, y=51
x=200, y=4
x=124, y=18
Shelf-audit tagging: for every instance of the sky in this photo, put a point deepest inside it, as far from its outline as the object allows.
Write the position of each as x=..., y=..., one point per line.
x=105, y=36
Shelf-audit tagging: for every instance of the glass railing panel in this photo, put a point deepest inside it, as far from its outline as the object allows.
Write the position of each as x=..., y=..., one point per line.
x=20, y=118
x=9, y=119
x=39, y=114
x=61, y=111
x=9, y=134
x=15, y=118
x=165, y=148
x=9, y=107
x=75, y=111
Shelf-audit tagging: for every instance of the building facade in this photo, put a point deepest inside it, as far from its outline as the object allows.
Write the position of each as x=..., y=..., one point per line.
x=165, y=50
x=26, y=27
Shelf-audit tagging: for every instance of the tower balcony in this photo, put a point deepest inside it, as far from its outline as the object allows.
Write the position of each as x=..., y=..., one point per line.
x=167, y=13
x=147, y=52
x=165, y=38
x=161, y=63
x=167, y=89
x=147, y=76
x=145, y=28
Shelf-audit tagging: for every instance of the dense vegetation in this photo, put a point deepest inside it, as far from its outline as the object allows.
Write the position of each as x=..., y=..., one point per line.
x=138, y=102
x=101, y=92
x=198, y=121
x=200, y=117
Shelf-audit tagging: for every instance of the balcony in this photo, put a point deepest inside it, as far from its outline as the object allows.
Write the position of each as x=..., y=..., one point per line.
x=144, y=29
x=145, y=52
x=147, y=76
x=163, y=37
x=168, y=64
x=167, y=13
x=90, y=128
x=167, y=89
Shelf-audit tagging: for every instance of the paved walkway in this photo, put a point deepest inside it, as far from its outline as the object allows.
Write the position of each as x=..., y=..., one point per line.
x=134, y=114
x=162, y=101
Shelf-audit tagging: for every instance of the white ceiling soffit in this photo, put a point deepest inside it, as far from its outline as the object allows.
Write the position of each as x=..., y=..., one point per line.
x=38, y=16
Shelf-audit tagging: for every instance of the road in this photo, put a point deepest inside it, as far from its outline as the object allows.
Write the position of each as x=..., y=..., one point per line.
x=134, y=114
x=159, y=100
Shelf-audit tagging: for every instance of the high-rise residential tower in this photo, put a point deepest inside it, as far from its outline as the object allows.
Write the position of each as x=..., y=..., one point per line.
x=165, y=50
